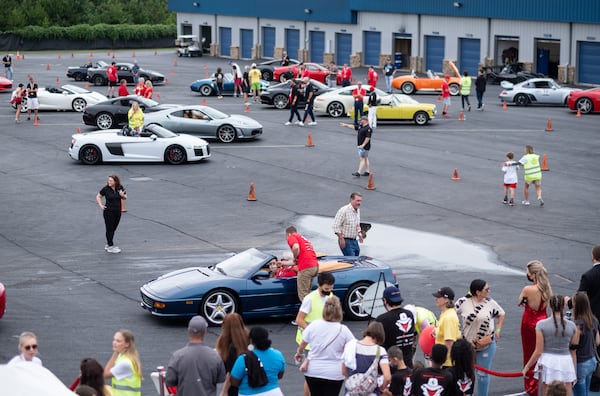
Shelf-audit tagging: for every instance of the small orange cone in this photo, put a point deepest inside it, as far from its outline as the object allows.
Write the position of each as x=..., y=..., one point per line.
x=549, y=126
x=247, y=108
x=174, y=62
x=58, y=56
x=439, y=99
x=48, y=66
x=57, y=80
x=166, y=81
x=158, y=95
x=455, y=175
x=123, y=208
x=87, y=85
x=309, y=142
x=504, y=106
x=18, y=56
x=461, y=116
x=204, y=67
x=578, y=112
x=36, y=121
x=206, y=75
x=172, y=72
x=133, y=54
x=251, y=196
x=545, y=163
x=203, y=102
x=79, y=130
x=370, y=185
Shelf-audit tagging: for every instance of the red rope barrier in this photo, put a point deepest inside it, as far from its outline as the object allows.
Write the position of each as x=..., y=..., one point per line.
x=498, y=374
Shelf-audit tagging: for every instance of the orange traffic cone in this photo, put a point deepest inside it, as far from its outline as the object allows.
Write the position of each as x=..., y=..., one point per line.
x=461, y=116
x=123, y=208
x=370, y=185
x=172, y=72
x=549, y=126
x=204, y=67
x=18, y=56
x=247, y=108
x=48, y=66
x=36, y=121
x=309, y=142
x=174, y=62
x=545, y=163
x=57, y=80
x=206, y=75
x=78, y=130
x=251, y=196
x=158, y=95
x=455, y=175
x=58, y=55
x=203, y=102
x=504, y=106
x=133, y=54
x=439, y=99
x=166, y=81
x=578, y=112
x=87, y=85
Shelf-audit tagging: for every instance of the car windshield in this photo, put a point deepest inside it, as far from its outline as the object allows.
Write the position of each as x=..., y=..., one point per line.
x=239, y=265
x=214, y=113
x=144, y=101
x=402, y=99
x=76, y=89
x=160, y=131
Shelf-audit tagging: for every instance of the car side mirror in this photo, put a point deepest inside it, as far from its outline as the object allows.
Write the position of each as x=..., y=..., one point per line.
x=262, y=274
x=153, y=137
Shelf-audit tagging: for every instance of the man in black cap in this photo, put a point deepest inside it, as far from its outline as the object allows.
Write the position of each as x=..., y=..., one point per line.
x=433, y=380
x=398, y=323
x=195, y=369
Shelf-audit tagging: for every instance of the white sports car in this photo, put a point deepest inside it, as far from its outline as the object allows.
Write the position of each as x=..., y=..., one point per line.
x=66, y=98
x=535, y=91
x=154, y=144
x=338, y=102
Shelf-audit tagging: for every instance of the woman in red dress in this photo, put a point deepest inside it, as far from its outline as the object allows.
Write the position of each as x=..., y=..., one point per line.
x=533, y=298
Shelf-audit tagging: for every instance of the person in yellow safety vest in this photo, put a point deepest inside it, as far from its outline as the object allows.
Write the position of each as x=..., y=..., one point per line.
x=532, y=173
x=312, y=308
x=465, y=90
x=124, y=367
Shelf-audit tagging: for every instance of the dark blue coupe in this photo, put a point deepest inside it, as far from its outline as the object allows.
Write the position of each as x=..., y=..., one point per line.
x=208, y=86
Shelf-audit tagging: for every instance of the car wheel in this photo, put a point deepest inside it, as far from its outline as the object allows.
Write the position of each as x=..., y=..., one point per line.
x=267, y=75
x=98, y=80
x=216, y=305
x=104, y=121
x=335, y=109
x=79, y=77
x=90, y=155
x=354, y=301
x=79, y=104
x=421, y=118
x=175, y=155
x=281, y=101
x=454, y=89
x=282, y=78
x=206, y=90
x=585, y=105
x=226, y=133
x=24, y=106
x=408, y=88
x=521, y=100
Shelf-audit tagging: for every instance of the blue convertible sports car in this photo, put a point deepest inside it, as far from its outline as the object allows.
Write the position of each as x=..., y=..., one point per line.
x=208, y=86
x=243, y=284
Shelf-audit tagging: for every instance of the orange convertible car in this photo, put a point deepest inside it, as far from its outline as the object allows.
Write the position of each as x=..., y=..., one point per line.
x=410, y=84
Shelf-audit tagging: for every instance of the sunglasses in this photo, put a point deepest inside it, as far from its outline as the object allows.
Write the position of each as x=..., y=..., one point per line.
x=30, y=347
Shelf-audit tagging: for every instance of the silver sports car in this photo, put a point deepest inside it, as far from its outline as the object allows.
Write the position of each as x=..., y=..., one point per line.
x=535, y=91
x=153, y=144
x=206, y=122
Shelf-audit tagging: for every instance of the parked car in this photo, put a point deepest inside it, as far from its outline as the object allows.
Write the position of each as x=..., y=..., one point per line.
x=535, y=91
x=208, y=86
x=587, y=101
x=154, y=144
x=2, y=300
x=339, y=101
x=97, y=75
x=65, y=98
x=206, y=122
x=278, y=95
x=403, y=108
x=243, y=284
x=113, y=112
x=266, y=68
x=315, y=71
x=188, y=45
x=512, y=72
x=412, y=83
x=5, y=84
x=79, y=73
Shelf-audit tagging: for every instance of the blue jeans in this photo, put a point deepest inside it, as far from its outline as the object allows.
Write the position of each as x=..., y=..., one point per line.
x=352, y=248
x=9, y=72
x=584, y=376
x=359, y=107
x=484, y=359
x=479, y=99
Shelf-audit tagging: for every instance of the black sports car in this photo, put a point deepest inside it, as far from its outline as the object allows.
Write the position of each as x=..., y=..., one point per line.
x=266, y=67
x=113, y=113
x=278, y=95
x=97, y=75
x=79, y=73
x=513, y=73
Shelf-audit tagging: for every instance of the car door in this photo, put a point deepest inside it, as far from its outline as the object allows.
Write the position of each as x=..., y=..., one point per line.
x=543, y=92
x=271, y=296
x=120, y=107
x=192, y=121
x=142, y=148
x=124, y=72
x=315, y=73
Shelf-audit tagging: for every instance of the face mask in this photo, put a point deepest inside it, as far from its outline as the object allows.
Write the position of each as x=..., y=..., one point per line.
x=529, y=278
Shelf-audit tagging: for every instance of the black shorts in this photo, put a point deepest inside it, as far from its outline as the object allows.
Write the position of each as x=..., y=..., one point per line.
x=112, y=83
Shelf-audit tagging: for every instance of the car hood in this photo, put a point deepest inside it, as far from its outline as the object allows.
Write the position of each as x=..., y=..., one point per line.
x=157, y=74
x=243, y=120
x=178, y=284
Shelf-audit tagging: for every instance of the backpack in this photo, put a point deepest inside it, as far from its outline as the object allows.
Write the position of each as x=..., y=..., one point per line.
x=255, y=371
x=363, y=384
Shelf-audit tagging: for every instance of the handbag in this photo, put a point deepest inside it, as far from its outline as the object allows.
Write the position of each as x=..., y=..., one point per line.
x=483, y=341
x=361, y=384
x=255, y=371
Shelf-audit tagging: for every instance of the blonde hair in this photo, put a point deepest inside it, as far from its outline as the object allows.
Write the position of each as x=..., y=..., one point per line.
x=332, y=310
x=131, y=351
x=541, y=276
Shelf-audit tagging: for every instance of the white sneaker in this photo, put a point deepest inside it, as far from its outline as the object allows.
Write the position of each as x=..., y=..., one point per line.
x=288, y=123
x=541, y=201
x=526, y=203
x=300, y=123
x=312, y=123
x=106, y=247
x=114, y=249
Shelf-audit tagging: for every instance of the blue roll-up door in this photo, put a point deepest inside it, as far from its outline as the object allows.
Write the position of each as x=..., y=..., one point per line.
x=343, y=48
x=317, y=46
x=225, y=39
x=469, y=55
x=372, y=48
x=247, y=40
x=589, y=62
x=434, y=53
x=268, y=36
x=292, y=42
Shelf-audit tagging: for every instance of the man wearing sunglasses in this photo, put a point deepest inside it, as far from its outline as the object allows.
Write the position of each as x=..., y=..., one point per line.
x=27, y=348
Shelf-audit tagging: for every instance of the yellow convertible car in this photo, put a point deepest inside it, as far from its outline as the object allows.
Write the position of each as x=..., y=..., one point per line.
x=412, y=83
x=403, y=108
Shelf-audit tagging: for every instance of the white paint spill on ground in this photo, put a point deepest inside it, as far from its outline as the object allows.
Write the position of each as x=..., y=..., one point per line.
x=408, y=249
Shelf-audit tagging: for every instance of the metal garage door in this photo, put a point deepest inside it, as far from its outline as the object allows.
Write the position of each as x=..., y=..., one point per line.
x=372, y=48
x=317, y=46
x=292, y=42
x=268, y=35
x=225, y=39
x=434, y=53
x=469, y=55
x=589, y=62
x=343, y=48
x=247, y=40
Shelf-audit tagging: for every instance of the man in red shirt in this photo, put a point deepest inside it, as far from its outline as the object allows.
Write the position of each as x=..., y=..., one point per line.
x=112, y=76
x=372, y=77
x=306, y=258
x=346, y=75
x=359, y=94
x=445, y=96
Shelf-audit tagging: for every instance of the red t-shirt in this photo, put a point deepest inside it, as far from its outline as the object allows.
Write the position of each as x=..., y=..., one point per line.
x=285, y=272
x=346, y=73
x=358, y=94
x=140, y=90
x=307, y=257
x=111, y=72
x=148, y=93
x=123, y=90
x=445, y=89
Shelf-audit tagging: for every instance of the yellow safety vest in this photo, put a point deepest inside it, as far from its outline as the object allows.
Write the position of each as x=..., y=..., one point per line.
x=465, y=85
x=130, y=386
x=531, y=168
x=424, y=314
x=316, y=312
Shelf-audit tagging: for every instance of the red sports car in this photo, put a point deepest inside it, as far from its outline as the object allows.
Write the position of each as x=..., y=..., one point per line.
x=587, y=101
x=315, y=71
x=5, y=84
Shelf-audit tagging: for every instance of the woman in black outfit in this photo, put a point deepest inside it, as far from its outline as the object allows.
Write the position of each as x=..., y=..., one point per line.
x=113, y=192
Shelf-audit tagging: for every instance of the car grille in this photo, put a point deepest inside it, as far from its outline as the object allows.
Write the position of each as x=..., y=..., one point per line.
x=198, y=152
x=147, y=301
x=256, y=132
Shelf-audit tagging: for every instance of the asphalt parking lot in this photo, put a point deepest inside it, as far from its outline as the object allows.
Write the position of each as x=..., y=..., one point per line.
x=63, y=286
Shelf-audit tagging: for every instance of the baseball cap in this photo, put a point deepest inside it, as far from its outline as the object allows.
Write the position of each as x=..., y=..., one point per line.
x=197, y=325
x=447, y=76
x=254, y=65
x=445, y=292
x=392, y=294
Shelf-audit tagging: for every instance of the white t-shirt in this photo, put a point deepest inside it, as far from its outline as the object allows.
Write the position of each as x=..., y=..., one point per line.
x=510, y=173
x=20, y=358
x=327, y=341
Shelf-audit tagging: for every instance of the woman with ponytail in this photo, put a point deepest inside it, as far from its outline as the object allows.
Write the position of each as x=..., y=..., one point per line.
x=554, y=348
